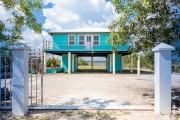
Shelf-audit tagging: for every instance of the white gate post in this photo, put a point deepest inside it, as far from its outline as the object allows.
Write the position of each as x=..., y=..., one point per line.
x=20, y=58
x=162, y=78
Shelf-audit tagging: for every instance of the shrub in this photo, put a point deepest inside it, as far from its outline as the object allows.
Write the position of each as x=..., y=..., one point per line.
x=53, y=62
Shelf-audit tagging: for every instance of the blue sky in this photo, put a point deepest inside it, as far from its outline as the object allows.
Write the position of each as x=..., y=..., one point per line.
x=59, y=15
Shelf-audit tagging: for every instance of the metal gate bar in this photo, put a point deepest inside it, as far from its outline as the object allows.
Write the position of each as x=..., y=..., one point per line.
x=5, y=81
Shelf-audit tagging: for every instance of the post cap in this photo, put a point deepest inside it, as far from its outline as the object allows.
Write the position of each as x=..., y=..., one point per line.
x=19, y=46
x=163, y=47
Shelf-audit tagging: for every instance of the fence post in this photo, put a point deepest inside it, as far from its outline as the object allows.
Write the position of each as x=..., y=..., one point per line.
x=162, y=78
x=20, y=78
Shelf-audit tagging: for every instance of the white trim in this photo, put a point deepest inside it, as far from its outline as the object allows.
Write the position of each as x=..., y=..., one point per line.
x=84, y=39
x=93, y=39
x=74, y=39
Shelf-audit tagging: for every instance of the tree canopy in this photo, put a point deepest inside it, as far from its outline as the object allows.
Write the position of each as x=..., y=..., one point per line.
x=21, y=15
x=145, y=23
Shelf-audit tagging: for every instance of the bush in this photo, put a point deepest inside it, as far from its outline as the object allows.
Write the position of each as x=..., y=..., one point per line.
x=53, y=62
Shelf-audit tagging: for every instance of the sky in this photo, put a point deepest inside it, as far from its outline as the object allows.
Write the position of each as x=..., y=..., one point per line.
x=59, y=15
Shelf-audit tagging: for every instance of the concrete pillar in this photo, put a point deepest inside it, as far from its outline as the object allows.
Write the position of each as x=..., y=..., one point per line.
x=122, y=62
x=110, y=63
x=61, y=61
x=114, y=62
x=138, y=64
x=106, y=63
x=52, y=56
x=77, y=63
x=20, y=59
x=69, y=62
x=92, y=62
x=45, y=62
x=162, y=78
x=72, y=62
x=131, y=63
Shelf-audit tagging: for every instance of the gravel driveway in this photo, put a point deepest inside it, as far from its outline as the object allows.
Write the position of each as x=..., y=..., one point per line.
x=98, y=90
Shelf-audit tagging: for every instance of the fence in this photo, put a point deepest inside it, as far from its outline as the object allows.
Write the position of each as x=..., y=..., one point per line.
x=6, y=80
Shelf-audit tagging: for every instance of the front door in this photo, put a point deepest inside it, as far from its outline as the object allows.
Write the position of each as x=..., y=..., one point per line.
x=88, y=42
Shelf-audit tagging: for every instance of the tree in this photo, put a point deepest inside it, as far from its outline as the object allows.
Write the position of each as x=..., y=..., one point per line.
x=81, y=61
x=144, y=23
x=22, y=15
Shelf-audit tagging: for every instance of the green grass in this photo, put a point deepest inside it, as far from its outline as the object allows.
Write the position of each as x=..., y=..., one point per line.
x=89, y=67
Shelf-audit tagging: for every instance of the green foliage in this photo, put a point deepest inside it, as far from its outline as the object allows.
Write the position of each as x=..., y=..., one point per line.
x=145, y=61
x=53, y=62
x=22, y=15
x=81, y=61
x=176, y=70
x=144, y=23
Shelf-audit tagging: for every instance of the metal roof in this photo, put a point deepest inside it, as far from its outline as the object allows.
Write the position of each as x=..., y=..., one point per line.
x=82, y=30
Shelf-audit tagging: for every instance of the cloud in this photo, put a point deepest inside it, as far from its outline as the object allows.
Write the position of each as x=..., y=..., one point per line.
x=77, y=13
x=35, y=41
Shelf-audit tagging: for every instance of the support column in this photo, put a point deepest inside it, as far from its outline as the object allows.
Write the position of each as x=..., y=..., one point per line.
x=92, y=62
x=69, y=62
x=45, y=62
x=61, y=61
x=110, y=62
x=138, y=64
x=72, y=62
x=162, y=78
x=77, y=63
x=122, y=62
x=106, y=64
x=52, y=56
x=131, y=63
x=114, y=62
x=20, y=59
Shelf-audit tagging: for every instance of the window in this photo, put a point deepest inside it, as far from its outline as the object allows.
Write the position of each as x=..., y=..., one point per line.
x=81, y=40
x=96, y=39
x=71, y=40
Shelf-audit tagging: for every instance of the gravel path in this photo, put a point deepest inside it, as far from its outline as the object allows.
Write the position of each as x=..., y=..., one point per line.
x=97, y=90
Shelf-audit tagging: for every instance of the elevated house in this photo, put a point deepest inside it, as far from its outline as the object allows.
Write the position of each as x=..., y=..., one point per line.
x=87, y=42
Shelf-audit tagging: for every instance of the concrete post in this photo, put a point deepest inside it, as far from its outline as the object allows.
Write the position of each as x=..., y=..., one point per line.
x=52, y=56
x=162, y=78
x=131, y=63
x=114, y=60
x=20, y=58
x=61, y=62
x=69, y=62
x=45, y=62
x=106, y=64
x=122, y=63
x=91, y=62
x=77, y=63
x=110, y=63
x=138, y=64
x=72, y=62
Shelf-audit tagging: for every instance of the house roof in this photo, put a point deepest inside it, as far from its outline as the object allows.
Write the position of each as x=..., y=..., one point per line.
x=82, y=30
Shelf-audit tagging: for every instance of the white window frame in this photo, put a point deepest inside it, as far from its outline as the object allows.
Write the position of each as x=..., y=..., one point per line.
x=84, y=39
x=93, y=40
x=74, y=39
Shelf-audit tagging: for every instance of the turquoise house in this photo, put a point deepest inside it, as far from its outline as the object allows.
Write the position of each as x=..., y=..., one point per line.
x=86, y=42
